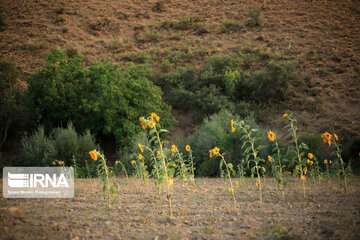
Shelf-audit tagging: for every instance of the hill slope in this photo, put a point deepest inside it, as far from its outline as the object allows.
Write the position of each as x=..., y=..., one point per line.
x=324, y=36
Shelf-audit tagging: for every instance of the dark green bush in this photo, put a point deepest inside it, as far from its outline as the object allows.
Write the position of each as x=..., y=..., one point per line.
x=313, y=141
x=216, y=131
x=180, y=98
x=105, y=98
x=273, y=85
x=11, y=99
x=209, y=100
x=182, y=77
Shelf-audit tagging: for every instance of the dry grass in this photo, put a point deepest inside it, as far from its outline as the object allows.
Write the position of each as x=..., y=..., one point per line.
x=203, y=212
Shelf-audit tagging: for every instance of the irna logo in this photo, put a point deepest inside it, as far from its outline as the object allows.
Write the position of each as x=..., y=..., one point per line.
x=16, y=180
x=38, y=182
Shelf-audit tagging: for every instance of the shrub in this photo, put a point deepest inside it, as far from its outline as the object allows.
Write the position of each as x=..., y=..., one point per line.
x=214, y=71
x=147, y=37
x=125, y=156
x=183, y=77
x=11, y=104
x=273, y=85
x=62, y=144
x=230, y=26
x=105, y=98
x=38, y=150
x=180, y=98
x=209, y=100
x=216, y=131
x=254, y=18
x=313, y=141
x=187, y=22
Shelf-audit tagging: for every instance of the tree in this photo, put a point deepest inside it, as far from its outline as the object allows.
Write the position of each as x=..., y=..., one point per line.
x=105, y=97
x=11, y=99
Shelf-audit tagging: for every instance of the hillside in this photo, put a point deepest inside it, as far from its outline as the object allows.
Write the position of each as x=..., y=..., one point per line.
x=323, y=36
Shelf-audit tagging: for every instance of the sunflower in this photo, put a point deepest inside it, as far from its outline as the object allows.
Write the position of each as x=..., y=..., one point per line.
x=269, y=158
x=310, y=156
x=216, y=150
x=151, y=124
x=173, y=150
x=271, y=136
x=93, y=154
x=325, y=161
x=140, y=156
x=285, y=115
x=232, y=126
x=187, y=148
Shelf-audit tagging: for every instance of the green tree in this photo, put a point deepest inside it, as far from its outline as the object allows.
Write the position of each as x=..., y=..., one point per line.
x=11, y=99
x=105, y=98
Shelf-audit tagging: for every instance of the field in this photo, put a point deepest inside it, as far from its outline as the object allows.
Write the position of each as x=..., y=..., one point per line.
x=204, y=211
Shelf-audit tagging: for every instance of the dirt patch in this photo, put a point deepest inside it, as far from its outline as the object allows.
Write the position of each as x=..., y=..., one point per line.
x=205, y=211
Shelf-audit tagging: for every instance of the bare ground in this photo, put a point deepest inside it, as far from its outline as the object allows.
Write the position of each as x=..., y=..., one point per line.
x=205, y=211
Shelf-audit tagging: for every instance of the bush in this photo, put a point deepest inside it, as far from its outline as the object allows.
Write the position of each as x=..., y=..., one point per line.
x=62, y=144
x=230, y=26
x=38, y=150
x=216, y=131
x=183, y=77
x=105, y=98
x=214, y=71
x=254, y=18
x=209, y=100
x=126, y=155
x=273, y=85
x=11, y=100
x=313, y=141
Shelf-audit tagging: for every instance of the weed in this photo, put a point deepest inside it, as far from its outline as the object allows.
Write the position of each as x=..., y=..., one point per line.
x=230, y=26
x=254, y=18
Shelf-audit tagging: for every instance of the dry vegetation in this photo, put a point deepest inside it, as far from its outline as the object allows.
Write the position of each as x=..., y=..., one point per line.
x=202, y=212
x=323, y=36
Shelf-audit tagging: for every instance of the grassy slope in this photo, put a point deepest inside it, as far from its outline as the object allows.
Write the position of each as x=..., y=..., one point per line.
x=323, y=36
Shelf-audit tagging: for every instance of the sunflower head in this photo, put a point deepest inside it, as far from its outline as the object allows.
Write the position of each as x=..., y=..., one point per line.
x=93, y=154
x=271, y=136
x=216, y=151
x=187, y=148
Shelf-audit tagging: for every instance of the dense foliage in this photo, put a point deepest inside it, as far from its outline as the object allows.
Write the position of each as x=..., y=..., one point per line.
x=105, y=98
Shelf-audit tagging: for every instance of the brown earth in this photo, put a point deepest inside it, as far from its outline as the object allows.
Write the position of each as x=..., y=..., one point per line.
x=323, y=36
x=205, y=211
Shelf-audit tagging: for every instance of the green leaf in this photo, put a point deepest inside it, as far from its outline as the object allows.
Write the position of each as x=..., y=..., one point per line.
x=152, y=131
x=163, y=130
x=303, y=146
x=295, y=172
